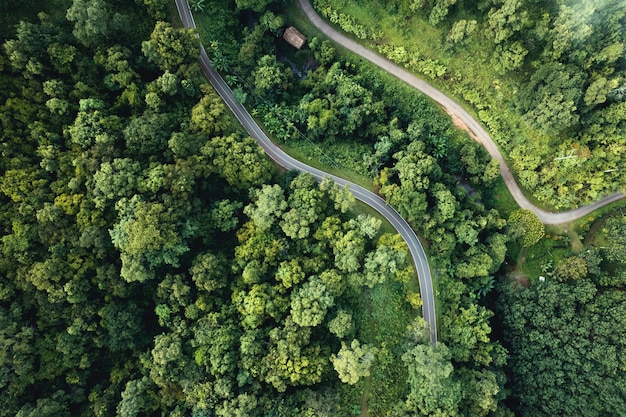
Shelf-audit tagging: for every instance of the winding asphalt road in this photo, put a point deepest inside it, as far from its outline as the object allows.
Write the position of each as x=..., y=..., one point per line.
x=467, y=121
x=286, y=161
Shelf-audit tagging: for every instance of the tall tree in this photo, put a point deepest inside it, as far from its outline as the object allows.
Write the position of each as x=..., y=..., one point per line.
x=171, y=49
x=94, y=21
x=353, y=361
x=433, y=388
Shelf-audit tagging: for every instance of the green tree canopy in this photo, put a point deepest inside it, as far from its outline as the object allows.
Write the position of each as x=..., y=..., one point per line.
x=526, y=225
x=353, y=361
x=171, y=49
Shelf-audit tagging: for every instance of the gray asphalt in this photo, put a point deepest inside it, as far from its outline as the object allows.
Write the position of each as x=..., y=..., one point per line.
x=277, y=155
x=474, y=128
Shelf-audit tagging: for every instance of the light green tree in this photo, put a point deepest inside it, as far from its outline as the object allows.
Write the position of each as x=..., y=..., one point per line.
x=481, y=392
x=137, y=398
x=272, y=21
x=381, y=264
x=115, y=180
x=207, y=115
x=267, y=207
x=433, y=388
x=342, y=197
x=615, y=229
x=290, y=273
x=505, y=21
x=171, y=49
x=167, y=358
x=439, y=11
x=291, y=358
x=239, y=160
x=93, y=20
x=461, y=29
x=349, y=251
x=147, y=236
x=341, y=324
x=310, y=303
x=223, y=214
x=270, y=76
x=572, y=268
x=244, y=405
x=526, y=225
x=353, y=362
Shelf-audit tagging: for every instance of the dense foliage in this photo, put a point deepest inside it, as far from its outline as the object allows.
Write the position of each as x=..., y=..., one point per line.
x=417, y=161
x=526, y=225
x=362, y=122
x=567, y=348
x=156, y=263
x=564, y=331
x=548, y=78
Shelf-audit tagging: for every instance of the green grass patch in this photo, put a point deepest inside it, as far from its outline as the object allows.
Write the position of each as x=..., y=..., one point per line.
x=390, y=314
x=500, y=198
x=382, y=322
x=597, y=237
x=590, y=226
x=562, y=241
x=329, y=158
x=543, y=256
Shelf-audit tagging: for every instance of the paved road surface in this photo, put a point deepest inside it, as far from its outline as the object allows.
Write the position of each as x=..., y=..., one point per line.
x=281, y=158
x=476, y=131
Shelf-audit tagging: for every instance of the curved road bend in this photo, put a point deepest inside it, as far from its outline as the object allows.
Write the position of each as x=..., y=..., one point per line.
x=415, y=247
x=476, y=131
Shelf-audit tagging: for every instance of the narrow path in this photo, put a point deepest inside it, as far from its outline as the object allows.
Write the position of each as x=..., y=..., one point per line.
x=475, y=129
x=277, y=155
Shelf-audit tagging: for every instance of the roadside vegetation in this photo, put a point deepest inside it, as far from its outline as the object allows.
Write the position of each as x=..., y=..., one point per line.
x=547, y=79
x=550, y=325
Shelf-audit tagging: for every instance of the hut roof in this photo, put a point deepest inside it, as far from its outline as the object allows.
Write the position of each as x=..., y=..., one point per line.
x=294, y=37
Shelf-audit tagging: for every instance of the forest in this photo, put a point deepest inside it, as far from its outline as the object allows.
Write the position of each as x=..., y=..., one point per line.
x=547, y=78
x=563, y=331
x=155, y=262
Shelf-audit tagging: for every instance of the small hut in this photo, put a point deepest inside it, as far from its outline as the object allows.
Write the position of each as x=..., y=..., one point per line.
x=294, y=37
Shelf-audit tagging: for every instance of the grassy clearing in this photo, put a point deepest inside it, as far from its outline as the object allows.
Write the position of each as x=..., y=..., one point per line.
x=390, y=315
x=500, y=197
x=382, y=323
x=540, y=258
x=562, y=241
x=330, y=158
x=590, y=227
